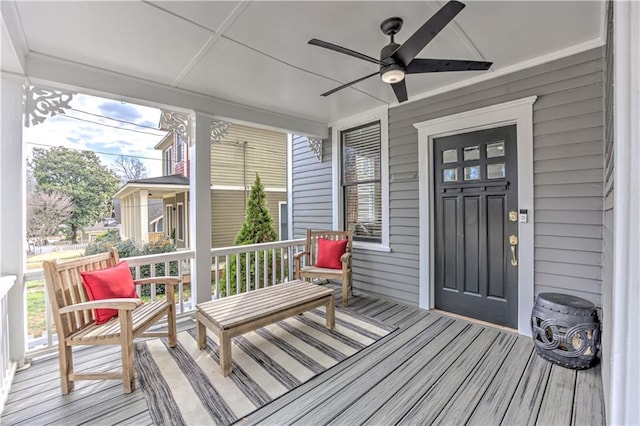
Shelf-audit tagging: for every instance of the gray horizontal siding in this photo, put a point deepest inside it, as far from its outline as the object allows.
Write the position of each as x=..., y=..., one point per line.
x=568, y=177
x=311, y=190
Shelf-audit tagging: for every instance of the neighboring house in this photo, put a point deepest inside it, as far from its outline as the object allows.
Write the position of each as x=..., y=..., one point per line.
x=235, y=159
x=90, y=233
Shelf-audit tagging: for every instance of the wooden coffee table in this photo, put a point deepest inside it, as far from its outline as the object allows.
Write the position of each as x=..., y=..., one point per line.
x=241, y=313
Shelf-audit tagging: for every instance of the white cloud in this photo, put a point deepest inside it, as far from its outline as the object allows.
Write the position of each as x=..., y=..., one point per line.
x=108, y=138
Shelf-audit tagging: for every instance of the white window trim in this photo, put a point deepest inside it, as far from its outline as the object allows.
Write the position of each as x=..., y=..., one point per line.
x=168, y=162
x=168, y=222
x=381, y=114
x=520, y=113
x=184, y=221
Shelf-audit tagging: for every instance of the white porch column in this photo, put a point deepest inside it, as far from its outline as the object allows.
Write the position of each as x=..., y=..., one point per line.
x=200, y=209
x=12, y=210
x=142, y=214
x=623, y=408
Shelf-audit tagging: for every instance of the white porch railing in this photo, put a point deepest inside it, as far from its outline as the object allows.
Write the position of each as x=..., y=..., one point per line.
x=7, y=365
x=274, y=266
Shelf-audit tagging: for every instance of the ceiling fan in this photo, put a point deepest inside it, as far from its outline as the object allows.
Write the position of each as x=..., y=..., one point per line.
x=398, y=60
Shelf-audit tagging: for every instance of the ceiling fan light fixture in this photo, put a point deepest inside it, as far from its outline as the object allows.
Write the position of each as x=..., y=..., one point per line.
x=394, y=74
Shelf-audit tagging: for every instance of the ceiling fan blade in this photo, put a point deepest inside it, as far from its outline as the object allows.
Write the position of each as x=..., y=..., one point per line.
x=340, y=49
x=349, y=84
x=427, y=32
x=420, y=65
x=400, y=90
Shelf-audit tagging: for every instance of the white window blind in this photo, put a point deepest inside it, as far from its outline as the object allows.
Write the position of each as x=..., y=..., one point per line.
x=361, y=181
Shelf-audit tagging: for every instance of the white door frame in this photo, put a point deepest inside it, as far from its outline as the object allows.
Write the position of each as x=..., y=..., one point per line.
x=520, y=113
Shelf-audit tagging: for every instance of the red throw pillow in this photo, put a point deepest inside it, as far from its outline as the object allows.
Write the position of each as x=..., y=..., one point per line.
x=329, y=253
x=108, y=283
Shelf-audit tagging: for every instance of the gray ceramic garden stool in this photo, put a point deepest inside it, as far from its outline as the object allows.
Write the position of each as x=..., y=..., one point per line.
x=566, y=330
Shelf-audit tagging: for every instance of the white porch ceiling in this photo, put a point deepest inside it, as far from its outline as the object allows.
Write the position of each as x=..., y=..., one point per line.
x=256, y=53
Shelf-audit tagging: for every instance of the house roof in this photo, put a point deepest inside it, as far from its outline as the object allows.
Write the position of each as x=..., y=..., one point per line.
x=157, y=187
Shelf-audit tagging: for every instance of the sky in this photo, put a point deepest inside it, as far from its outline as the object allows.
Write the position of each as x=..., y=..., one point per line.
x=105, y=136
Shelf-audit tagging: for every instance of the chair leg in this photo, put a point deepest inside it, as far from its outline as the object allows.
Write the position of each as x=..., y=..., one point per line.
x=345, y=290
x=126, y=342
x=66, y=367
x=171, y=319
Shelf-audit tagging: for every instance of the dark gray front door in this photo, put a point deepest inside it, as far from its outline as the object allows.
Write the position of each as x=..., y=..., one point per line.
x=476, y=187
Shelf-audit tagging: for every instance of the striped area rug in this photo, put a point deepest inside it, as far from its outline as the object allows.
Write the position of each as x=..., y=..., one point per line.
x=183, y=385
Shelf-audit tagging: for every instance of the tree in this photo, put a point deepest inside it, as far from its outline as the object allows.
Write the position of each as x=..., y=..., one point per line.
x=129, y=168
x=79, y=175
x=256, y=228
x=258, y=223
x=46, y=211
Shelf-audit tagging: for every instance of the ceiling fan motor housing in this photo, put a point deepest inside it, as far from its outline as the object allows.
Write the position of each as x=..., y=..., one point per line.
x=385, y=56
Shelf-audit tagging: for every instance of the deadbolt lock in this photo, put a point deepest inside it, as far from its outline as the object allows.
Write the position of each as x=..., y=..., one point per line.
x=513, y=216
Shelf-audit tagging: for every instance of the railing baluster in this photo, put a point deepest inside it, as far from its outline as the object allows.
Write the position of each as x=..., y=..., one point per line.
x=238, y=286
x=282, y=258
x=49, y=317
x=247, y=269
x=227, y=274
x=265, y=263
x=152, y=273
x=217, y=295
x=257, y=275
x=180, y=289
x=273, y=267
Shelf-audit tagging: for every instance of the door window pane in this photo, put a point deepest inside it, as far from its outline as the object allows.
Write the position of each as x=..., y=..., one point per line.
x=471, y=153
x=450, y=156
x=495, y=171
x=472, y=173
x=450, y=175
x=495, y=149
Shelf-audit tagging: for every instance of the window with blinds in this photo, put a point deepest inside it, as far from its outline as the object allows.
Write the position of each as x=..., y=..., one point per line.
x=361, y=181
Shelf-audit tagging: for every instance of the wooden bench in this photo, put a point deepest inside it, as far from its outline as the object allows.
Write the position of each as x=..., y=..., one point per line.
x=241, y=313
x=73, y=316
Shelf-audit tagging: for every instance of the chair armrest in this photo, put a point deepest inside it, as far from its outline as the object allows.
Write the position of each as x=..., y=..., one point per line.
x=160, y=280
x=297, y=256
x=126, y=304
x=346, y=258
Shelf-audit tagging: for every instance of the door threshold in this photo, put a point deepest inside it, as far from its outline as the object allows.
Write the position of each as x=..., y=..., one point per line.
x=475, y=321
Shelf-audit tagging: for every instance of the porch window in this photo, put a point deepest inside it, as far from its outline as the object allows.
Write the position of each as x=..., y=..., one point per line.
x=179, y=148
x=361, y=181
x=168, y=221
x=168, y=162
x=180, y=230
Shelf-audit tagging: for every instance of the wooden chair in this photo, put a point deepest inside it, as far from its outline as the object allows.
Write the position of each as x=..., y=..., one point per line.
x=309, y=270
x=74, y=320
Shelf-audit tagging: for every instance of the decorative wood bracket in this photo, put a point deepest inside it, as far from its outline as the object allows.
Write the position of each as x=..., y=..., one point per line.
x=178, y=123
x=315, y=146
x=43, y=103
x=219, y=130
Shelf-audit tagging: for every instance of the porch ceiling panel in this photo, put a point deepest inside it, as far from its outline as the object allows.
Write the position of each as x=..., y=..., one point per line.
x=267, y=84
x=125, y=37
x=256, y=53
x=509, y=32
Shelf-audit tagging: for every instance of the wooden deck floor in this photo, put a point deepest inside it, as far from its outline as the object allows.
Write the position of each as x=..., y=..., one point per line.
x=434, y=369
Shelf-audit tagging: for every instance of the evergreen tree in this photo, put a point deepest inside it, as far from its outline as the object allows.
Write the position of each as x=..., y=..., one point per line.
x=258, y=223
x=256, y=228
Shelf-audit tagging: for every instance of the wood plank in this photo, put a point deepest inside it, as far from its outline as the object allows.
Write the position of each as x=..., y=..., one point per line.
x=525, y=404
x=405, y=341
x=495, y=400
x=407, y=381
x=426, y=401
x=461, y=406
x=557, y=404
x=588, y=407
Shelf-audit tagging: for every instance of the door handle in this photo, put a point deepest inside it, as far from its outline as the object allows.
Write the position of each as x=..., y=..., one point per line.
x=513, y=242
